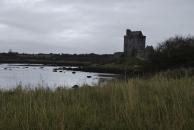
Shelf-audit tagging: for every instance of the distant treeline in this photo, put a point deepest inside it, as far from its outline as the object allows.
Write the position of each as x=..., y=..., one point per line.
x=176, y=52
x=82, y=59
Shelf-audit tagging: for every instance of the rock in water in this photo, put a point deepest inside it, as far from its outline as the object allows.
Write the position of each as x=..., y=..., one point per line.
x=75, y=86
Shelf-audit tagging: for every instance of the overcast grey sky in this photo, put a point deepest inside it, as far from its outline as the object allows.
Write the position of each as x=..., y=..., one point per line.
x=86, y=26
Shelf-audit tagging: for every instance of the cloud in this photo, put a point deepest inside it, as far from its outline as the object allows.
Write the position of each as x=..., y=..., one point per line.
x=85, y=26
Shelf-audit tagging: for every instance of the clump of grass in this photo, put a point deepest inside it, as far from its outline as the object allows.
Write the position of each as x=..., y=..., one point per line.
x=156, y=103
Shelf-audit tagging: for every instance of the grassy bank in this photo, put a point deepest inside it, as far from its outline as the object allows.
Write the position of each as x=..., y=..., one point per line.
x=152, y=104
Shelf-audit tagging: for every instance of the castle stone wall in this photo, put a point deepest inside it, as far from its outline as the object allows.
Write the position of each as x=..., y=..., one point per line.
x=134, y=44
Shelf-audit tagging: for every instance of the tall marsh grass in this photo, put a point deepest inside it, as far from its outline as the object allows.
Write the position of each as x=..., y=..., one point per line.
x=157, y=103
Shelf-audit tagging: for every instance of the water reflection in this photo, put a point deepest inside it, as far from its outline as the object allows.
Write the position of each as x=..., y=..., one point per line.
x=35, y=75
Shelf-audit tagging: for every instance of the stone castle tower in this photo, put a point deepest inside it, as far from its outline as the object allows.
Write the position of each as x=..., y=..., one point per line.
x=134, y=44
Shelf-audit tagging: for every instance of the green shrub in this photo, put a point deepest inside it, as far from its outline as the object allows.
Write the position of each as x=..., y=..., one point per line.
x=174, y=52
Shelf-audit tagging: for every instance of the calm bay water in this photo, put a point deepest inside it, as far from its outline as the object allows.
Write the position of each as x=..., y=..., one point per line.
x=32, y=76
